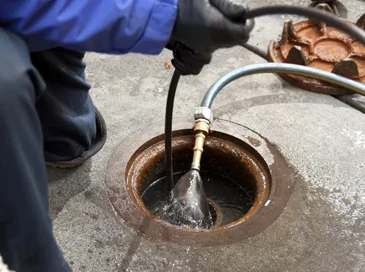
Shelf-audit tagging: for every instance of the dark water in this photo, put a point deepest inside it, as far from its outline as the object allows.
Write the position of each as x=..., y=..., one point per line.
x=233, y=200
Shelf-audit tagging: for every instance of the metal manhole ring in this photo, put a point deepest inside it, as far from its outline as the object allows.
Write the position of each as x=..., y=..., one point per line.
x=124, y=201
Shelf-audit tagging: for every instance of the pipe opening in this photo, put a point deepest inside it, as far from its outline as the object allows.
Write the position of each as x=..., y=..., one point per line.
x=237, y=159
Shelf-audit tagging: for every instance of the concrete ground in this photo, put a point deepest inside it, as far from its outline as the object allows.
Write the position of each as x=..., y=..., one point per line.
x=322, y=138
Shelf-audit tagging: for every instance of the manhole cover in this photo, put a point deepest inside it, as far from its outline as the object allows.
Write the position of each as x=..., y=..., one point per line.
x=247, y=182
x=317, y=45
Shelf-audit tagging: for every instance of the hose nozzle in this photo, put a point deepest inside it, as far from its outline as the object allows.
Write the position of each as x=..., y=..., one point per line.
x=201, y=129
x=203, y=118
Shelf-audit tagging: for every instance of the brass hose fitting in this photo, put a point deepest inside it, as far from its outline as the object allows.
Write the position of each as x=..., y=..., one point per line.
x=203, y=118
x=201, y=130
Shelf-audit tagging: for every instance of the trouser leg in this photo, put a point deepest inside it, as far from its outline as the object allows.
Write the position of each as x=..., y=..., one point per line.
x=65, y=109
x=26, y=237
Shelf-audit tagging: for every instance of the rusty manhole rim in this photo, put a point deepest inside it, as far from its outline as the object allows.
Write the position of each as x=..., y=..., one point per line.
x=282, y=182
x=184, y=139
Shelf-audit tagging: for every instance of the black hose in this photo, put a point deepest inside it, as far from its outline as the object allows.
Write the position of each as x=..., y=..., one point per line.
x=256, y=50
x=168, y=129
x=316, y=14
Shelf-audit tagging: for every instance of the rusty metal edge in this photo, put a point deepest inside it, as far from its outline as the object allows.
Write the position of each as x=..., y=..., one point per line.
x=132, y=215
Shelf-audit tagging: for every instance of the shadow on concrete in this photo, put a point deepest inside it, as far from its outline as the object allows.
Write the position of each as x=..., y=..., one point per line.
x=64, y=184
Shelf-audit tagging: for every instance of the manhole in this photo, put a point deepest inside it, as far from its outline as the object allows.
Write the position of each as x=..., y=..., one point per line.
x=247, y=182
x=319, y=46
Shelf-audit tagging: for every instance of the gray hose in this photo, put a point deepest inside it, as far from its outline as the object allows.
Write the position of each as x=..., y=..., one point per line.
x=278, y=68
x=349, y=28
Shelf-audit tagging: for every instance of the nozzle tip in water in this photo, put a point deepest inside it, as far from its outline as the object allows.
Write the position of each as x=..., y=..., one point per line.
x=188, y=203
x=195, y=166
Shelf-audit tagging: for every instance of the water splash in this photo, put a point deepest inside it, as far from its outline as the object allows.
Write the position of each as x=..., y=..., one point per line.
x=188, y=204
x=233, y=200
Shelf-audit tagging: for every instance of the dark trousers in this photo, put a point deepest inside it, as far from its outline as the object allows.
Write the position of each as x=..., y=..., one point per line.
x=46, y=113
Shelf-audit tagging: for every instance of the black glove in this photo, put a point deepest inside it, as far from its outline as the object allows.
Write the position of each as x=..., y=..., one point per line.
x=186, y=61
x=207, y=25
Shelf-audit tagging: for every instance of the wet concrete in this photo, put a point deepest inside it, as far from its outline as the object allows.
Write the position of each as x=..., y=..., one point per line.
x=323, y=140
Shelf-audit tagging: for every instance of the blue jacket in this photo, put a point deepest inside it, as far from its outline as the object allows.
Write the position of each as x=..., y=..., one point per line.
x=106, y=26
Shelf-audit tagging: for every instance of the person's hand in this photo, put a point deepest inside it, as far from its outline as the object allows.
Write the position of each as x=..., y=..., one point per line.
x=207, y=25
x=186, y=61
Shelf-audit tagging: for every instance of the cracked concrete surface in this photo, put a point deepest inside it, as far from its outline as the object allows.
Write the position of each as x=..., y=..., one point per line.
x=322, y=139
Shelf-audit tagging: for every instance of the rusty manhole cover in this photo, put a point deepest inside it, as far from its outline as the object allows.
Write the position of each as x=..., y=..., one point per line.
x=316, y=45
x=256, y=168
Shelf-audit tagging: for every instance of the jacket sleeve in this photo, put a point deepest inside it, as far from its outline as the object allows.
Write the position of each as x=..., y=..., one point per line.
x=105, y=26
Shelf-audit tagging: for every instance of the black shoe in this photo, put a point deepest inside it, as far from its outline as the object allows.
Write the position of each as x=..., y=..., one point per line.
x=96, y=146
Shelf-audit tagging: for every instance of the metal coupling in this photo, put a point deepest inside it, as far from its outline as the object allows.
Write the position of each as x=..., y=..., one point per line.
x=201, y=129
x=204, y=113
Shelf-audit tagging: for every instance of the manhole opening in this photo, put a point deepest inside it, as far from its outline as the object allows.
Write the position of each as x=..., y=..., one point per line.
x=214, y=212
x=237, y=184
x=139, y=161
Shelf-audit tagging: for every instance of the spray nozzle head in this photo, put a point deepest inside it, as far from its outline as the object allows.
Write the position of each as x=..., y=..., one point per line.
x=201, y=129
